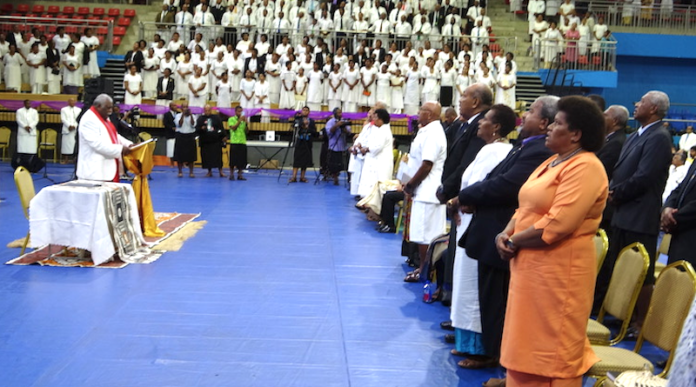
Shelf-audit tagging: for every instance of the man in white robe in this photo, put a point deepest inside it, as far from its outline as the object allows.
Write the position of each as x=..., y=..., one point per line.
x=101, y=147
x=68, y=116
x=379, y=159
x=27, y=119
x=357, y=159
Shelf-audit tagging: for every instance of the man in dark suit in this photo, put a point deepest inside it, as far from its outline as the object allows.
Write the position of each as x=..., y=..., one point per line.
x=493, y=202
x=451, y=125
x=164, y=17
x=636, y=189
x=437, y=17
x=616, y=117
x=170, y=129
x=679, y=219
x=165, y=87
x=253, y=63
x=134, y=57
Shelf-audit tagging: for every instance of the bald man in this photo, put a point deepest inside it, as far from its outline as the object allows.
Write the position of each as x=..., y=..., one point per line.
x=426, y=161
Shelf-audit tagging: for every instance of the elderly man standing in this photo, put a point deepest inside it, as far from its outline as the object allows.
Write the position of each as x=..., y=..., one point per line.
x=101, y=147
x=68, y=116
x=27, y=119
x=494, y=200
x=635, y=190
x=426, y=161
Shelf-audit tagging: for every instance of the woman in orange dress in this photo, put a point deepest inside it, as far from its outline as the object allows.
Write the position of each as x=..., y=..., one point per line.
x=552, y=255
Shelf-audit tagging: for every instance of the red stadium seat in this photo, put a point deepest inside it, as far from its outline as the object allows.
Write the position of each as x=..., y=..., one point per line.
x=101, y=39
x=52, y=30
x=49, y=37
x=7, y=8
x=597, y=60
x=23, y=8
x=119, y=31
x=582, y=59
x=93, y=20
x=113, y=12
x=71, y=30
x=68, y=10
x=111, y=19
x=117, y=40
x=53, y=10
x=102, y=30
x=37, y=9
x=98, y=12
x=491, y=37
x=124, y=22
x=62, y=17
x=77, y=17
x=129, y=13
x=84, y=11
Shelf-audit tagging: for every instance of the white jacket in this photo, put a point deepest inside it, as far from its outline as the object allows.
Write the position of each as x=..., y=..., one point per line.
x=95, y=159
x=27, y=141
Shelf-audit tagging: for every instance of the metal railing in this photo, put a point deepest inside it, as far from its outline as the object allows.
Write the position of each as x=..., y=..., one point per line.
x=124, y=2
x=590, y=55
x=229, y=35
x=103, y=29
x=637, y=17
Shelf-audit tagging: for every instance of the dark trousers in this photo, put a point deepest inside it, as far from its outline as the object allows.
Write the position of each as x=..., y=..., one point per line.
x=493, y=286
x=389, y=200
x=621, y=238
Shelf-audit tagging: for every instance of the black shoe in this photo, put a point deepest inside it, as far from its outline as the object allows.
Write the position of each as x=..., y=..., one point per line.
x=447, y=325
x=446, y=298
x=379, y=225
x=386, y=229
x=449, y=339
x=632, y=333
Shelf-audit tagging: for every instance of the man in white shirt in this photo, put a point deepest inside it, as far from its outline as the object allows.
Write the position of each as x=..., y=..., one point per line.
x=471, y=14
x=342, y=22
x=325, y=25
x=266, y=6
x=451, y=32
x=205, y=23
x=68, y=116
x=533, y=8
x=402, y=31
x=295, y=10
x=246, y=22
x=382, y=28
x=377, y=149
x=479, y=37
x=279, y=27
x=27, y=119
x=264, y=23
x=229, y=22
x=688, y=139
x=426, y=161
x=183, y=19
x=101, y=147
x=299, y=27
x=421, y=30
x=486, y=21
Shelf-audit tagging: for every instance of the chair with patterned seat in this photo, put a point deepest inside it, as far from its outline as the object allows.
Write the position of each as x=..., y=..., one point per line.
x=5, y=134
x=602, y=246
x=49, y=141
x=629, y=273
x=25, y=188
x=669, y=306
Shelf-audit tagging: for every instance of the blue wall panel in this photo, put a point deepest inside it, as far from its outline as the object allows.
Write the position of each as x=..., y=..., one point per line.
x=655, y=46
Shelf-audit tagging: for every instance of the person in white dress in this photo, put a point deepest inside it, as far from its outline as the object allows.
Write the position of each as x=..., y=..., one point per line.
x=448, y=79
x=485, y=77
x=198, y=89
x=72, y=73
x=27, y=119
x=68, y=116
x=463, y=81
x=396, y=81
x=377, y=149
x=598, y=31
x=133, y=85
x=351, y=91
x=167, y=63
x=53, y=74
x=261, y=97
x=431, y=81
x=235, y=67
x=335, y=90
x=300, y=89
x=315, y=88
x=505, y=88
x=217, y=68
x=551, y=43
x=12, y=62
x=91, y=42
x=151, y=65
x=36, y=60
x=80, y=52
x=465, y=312
x=184, y=71
x=272, y=70
x=247, y=88
x=287, y=87
x=412, y=93
x=383, y=88
x=539, y=33
x=223, y=89
x=368, y=76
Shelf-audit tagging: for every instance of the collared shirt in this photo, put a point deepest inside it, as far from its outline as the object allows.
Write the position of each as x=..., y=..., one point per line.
x=237, y=136
x=186, y=127
x=337, y=140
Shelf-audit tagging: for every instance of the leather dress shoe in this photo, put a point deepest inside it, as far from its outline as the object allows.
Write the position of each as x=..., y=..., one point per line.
x=387, y=229
x=449, y=339
x=447, y=325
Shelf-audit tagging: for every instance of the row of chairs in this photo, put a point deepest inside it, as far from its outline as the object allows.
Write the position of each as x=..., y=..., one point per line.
x=54, y=10
x=674, y=291
x=48, y=141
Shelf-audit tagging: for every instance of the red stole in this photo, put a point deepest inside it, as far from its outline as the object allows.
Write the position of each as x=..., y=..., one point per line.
x=113, y=134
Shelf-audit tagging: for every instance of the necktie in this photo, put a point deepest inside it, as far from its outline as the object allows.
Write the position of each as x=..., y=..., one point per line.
x=202, y=19
x=263, y=24
x=279, y=25
x=688, y=183
x=163, y=15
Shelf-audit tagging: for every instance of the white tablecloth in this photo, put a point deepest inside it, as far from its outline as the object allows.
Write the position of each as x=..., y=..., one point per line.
x=74, y=215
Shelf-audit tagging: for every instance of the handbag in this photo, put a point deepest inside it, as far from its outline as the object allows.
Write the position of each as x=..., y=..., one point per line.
x=55, y=71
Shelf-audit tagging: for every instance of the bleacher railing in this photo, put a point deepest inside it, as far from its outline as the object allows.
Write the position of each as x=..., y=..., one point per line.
x=103, y=29
x=590, y=55
x=499, y=44
x=649, y=17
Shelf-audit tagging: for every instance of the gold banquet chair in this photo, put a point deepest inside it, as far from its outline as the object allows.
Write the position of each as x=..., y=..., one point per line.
x=5, y=134
x=674, y=291
x=663, y=248
x=601, y=242
x=49, y=141
x=629, y=273
x=25, y=188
